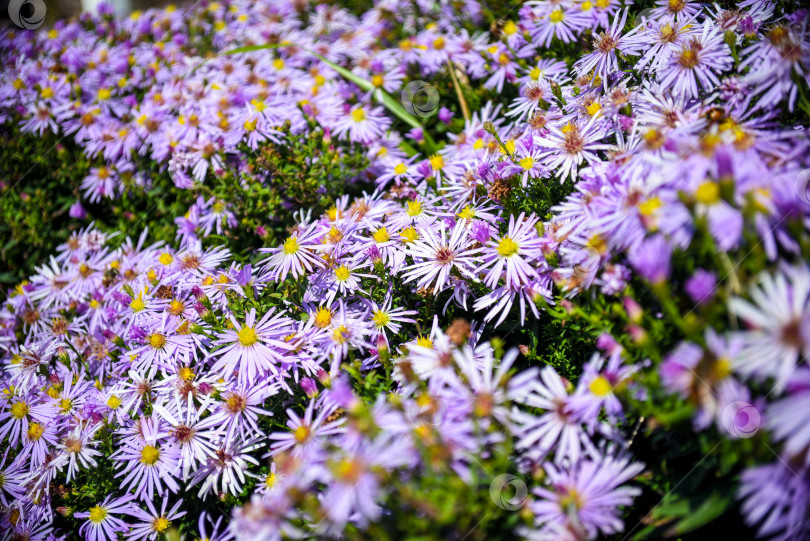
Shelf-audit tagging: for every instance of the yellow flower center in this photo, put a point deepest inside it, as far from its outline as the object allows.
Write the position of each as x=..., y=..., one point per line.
x=301, y=433
x=507, y=247
x=648, y=207
x=708, y=193
x=414, y=208
x=600, y=386
x=381, y=235
x=97, y=514
x=340, y=334
x=594, y=108
x=556, y=16
x=35, y=431
x=381, y=319
x=65, y=404
x=342, y=273
x=137, y=304
x=467, y=213
x=400, y=169
x=722, y=368
x=165, y=258
x=186, y=373
x=247, y=336
x=150, y=455
x=291, y=246
x=437, y=162
x=270, y=480
x=157, y=340
x=527, y=163
x=113, y=402
x=572, y=499
x=19, y=410
x=377, y=80
x=160, y=524
x=176, y=307
x=323, y=317
x=424, y=341
x=409, y=234
x=358, y=115
x=509, y=28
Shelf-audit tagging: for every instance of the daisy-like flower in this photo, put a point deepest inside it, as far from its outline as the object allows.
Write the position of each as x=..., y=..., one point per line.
x=101, y=525
x=779, y=321
x=363, y=124
x=15, y=418
x=252, y=350
x=586, y=496
x=78, y=447
x=224, y=472
x=239, y=412
x=305, y=431
x=675, y=10
x=697, y=63
x=527, y=162
x=557, y=427
x=436, y=255
x=196, y=443
x=571, y=145
x=152, y=524
x=389, y=319
x=147, y=464
x=512, y=253
x=561, y=22
x=344, y=280
x=602, y=62
x=295, y=255
x=13, y=475
x=663, y=39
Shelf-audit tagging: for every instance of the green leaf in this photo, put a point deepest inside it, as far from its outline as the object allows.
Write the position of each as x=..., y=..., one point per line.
x=711, y=508
x=381, y=96
x=250, y=48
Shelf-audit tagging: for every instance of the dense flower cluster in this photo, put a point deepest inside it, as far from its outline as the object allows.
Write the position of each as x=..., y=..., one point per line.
x=174, y=367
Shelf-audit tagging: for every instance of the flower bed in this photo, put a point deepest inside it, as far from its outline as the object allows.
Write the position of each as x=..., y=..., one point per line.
x=567, y=299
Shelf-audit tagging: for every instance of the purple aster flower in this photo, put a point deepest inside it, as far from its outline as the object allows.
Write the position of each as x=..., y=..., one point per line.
x=585, y=497
x=651, y=259
x=701, y=286
x=101, y=525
